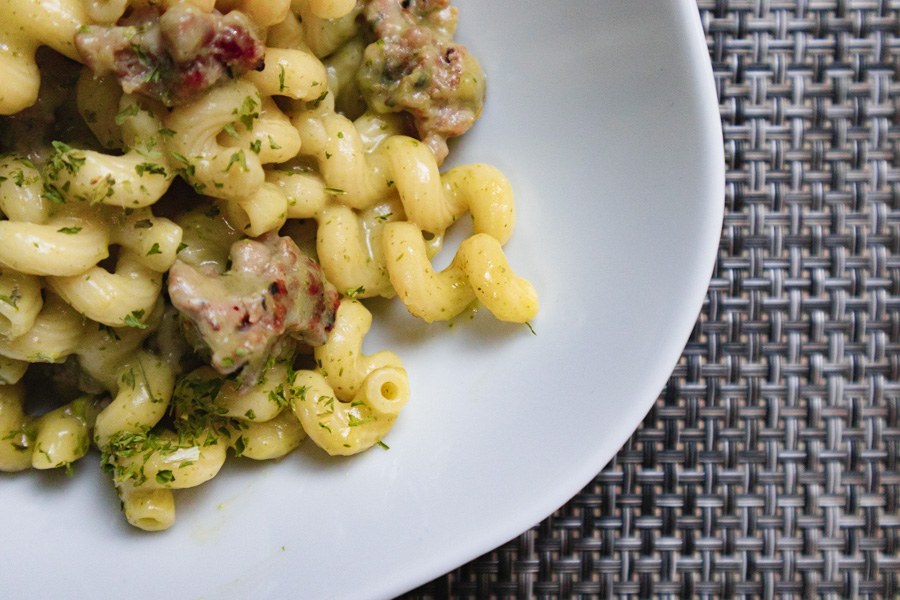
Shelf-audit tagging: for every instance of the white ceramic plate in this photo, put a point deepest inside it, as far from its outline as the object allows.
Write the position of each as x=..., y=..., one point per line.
x=603, y=115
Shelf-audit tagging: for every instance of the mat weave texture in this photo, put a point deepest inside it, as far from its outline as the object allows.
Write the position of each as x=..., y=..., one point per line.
x=770, y=465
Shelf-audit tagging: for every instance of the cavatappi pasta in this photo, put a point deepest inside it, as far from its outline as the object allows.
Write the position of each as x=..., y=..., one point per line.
x=163, y=162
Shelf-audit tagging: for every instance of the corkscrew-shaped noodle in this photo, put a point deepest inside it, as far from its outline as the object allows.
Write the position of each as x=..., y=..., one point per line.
x=48, y=249
x=359, y=177
x=341, y=360
x=53, y=440
x=135, y=179
x=55, y=333
x=110, y=298
x=331, y=9
x=327, y=24
x=344, y=428
x=211, y=167
x=24, y=27
x=20, y=302
x=264, y=13
x=479, y=269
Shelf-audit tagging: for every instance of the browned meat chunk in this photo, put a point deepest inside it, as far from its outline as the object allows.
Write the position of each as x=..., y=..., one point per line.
x=415, y=66
x=172, y=56
x=272, y=289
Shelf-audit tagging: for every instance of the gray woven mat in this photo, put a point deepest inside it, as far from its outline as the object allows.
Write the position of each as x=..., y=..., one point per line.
x=770, y=465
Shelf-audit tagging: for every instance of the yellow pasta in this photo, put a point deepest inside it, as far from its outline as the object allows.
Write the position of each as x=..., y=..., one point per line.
x=479, y=270
x=11, y=370
x=327, y=24
x=15, y=436
x=21, y=191
x=110, y=298
x=20, y=303
x=291, y=73
x=51, y=248
x=345, y=428
x=26, y=26
x=341, y=361
x=268, y=440
x=143, y=388
x=54, y=334
x=331, y=9
x=349, y=249
x=209, y=194
x=63, y=435
x=263, y=12
x=135, y=179
x=56, y=439
x=148, y=509
x=197, y=142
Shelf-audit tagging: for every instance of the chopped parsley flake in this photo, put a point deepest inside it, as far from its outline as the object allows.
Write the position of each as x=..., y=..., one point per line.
x=129, y=111
x=12, y=298
x=281, y=86
x=239, y=159
x=150, y=168
x=133, y=319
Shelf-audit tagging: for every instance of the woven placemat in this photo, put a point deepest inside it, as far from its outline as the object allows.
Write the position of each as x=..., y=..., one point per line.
x=770, y=464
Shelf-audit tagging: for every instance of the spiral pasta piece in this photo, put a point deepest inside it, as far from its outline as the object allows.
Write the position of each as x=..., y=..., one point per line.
x=147, y=466
x=325, y=34
x=63, y=435
x=26, y=26
x=144, y=386
x=200, y=157
x=267, y=440
x=508, y=296
x=53, y=440
x=148, y=509
x=11, y=370
x=479, y=269
x=15, y=435
x=305, y=193
x=166, y=461
x=103, y=350
x=152, y=241
x=265, y=210
x=331, y=9
x=292, y=73
x=21, y=191
x=434, y=201
x=135, y=179
x=20, y=303
x=115, y=299
x=205, y=390
x=353, y=176
x=341, y=361
x=358, y=176
x=350, y=250
x=345, y=428
x=269, y=135
x=263, y=12
x=61, y=246
x=54, y=335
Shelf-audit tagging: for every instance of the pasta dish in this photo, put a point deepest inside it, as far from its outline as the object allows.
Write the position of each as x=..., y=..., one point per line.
x=197, y=200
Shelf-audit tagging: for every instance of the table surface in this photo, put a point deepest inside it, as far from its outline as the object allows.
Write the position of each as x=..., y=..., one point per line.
x=770, y=463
